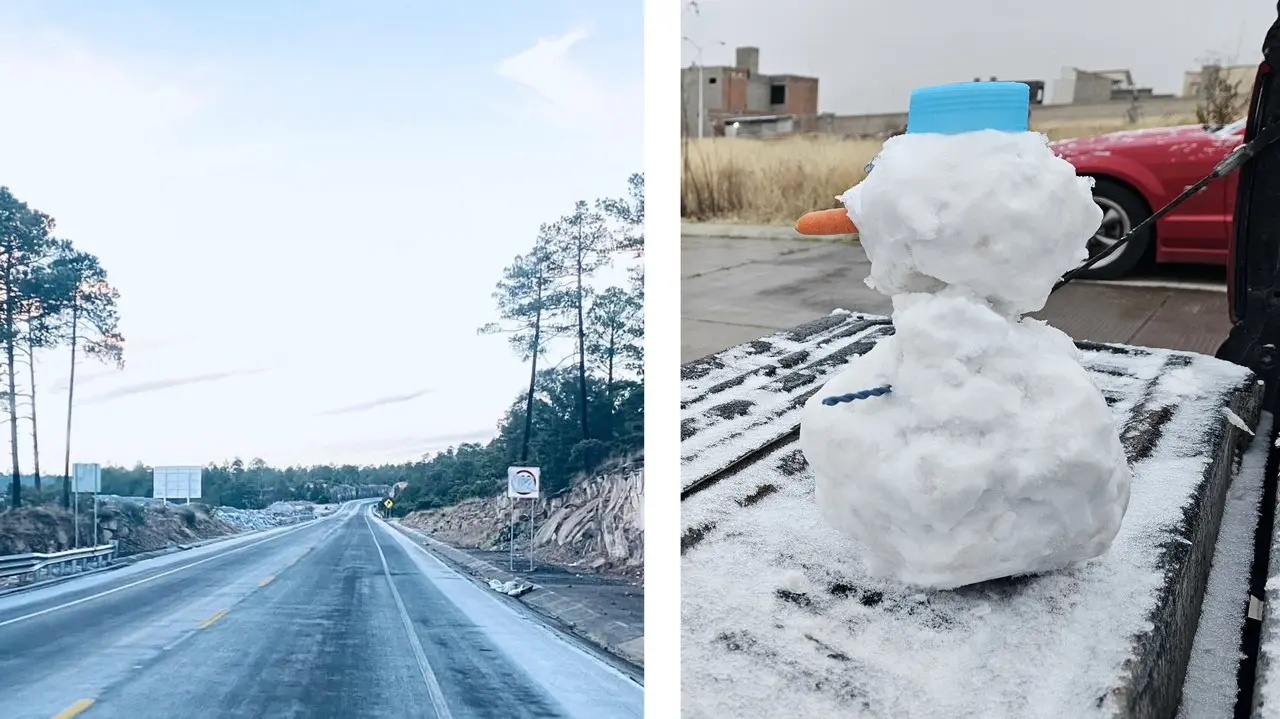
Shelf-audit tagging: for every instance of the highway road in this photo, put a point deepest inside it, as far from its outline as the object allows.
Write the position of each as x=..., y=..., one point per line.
x=341, y=617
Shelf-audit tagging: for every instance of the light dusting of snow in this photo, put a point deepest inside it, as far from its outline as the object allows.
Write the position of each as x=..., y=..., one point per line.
x=1209, y=691
x=773, y=412
x=779, y=617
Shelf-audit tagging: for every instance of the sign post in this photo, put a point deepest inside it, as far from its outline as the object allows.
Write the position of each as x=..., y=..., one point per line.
x=523, y=483
x=387, y=504
x=86, y=477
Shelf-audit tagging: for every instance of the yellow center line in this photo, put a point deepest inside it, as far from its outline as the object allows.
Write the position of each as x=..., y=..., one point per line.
x=74, y=709
x=205, y=624
x=266, y=581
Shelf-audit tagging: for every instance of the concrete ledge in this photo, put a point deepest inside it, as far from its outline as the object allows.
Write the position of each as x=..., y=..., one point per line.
x=754, y=232
x=578, y=618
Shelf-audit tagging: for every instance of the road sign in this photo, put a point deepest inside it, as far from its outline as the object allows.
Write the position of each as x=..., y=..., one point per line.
x=176, y=482
x=86, y=478
x=524, y=482
x=387, y=503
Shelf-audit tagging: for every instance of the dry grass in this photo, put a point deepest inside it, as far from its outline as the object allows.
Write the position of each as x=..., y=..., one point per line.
x=773, y=182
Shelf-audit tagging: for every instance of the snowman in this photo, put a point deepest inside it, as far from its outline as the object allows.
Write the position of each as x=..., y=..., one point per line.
x=971, y=444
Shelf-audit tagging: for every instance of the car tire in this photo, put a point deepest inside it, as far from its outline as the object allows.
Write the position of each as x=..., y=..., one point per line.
x=1123, y=209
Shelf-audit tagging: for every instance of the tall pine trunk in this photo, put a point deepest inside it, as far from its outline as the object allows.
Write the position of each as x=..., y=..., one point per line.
x=35, y=431
x=613, y=351
x=582, y=352
x=13, y=398
x=71, y=389
x=533, y=373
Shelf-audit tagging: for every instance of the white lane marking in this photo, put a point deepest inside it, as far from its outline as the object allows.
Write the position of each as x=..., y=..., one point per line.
x=151, y=578
x=1163, y=284
x=428, y=676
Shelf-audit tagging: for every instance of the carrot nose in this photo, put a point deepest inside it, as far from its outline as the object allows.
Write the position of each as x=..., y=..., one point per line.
x=826, y=222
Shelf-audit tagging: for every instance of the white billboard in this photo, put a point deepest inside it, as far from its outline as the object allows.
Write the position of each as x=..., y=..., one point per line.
x=176, y=482
x=524, y=482
x=86, y=478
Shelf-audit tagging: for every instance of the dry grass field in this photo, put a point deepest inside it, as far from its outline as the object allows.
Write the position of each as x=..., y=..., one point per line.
x=773, y=182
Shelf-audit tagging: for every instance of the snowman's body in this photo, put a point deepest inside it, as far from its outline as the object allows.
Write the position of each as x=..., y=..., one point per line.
x=994, y=454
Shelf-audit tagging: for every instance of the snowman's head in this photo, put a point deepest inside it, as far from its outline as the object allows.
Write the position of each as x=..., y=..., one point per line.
x=995, y=213
x=970, y=199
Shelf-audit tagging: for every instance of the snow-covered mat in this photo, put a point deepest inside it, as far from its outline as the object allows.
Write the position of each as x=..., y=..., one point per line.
x=779, y=620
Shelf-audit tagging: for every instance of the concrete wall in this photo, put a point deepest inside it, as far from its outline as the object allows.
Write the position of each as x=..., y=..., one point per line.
x=758, y=93
x=1100, y=112
x=1151, y=108
x=713, y=96
x=802, y=96
x=1091, y=89
x=1239, y=75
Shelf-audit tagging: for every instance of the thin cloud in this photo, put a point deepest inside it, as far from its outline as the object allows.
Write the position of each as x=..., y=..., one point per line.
x=82, y=378
x=157, y=385
x=374, y=403
x=564, y=88
x=414, y=445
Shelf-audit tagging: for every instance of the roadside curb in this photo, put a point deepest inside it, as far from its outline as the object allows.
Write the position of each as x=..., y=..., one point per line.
x=754, y=232
x=573, y=616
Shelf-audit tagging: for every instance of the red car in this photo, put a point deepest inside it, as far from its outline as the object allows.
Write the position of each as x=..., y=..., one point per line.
x=1140, y=171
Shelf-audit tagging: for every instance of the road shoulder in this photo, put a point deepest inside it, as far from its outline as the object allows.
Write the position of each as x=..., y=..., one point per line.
x=573, y=612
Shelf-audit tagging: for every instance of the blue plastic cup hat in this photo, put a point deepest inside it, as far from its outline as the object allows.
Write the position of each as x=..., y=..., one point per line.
x=969, y=107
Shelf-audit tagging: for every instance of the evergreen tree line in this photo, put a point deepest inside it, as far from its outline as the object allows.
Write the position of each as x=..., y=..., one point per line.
x=587, y=407
x=579, y=412
x=52, y=296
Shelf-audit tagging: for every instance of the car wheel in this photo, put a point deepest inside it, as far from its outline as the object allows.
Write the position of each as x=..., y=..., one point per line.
x=1122, y=210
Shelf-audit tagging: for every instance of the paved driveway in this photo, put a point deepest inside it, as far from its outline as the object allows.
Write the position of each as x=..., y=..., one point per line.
x=734, y=290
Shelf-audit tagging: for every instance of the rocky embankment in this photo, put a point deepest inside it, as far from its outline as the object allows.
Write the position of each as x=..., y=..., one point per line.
x=140, y=525
x=598, y=525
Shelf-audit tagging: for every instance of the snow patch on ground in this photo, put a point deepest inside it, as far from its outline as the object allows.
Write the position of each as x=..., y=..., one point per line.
x=277, y=514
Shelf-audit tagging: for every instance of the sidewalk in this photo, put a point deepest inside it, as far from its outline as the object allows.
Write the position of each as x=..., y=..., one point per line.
x=742, y=282
x=590, y=607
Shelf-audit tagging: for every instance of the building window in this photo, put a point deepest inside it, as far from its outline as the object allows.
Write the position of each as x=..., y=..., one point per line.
x=778, y=95
x=711, y=81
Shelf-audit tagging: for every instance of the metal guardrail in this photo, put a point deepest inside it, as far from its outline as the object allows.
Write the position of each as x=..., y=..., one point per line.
x=35, y=566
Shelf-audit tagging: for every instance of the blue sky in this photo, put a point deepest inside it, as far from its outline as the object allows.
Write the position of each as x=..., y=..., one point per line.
x=305, y=207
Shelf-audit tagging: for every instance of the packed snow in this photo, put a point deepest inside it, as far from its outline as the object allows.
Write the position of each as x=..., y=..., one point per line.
x=994, y=454
x=995, y=216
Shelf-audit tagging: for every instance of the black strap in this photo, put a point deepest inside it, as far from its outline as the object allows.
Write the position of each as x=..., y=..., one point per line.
x=1271, y=43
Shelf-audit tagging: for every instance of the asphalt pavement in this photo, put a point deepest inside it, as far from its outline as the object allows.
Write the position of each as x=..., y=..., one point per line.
x=340, y=617
x=740, y=284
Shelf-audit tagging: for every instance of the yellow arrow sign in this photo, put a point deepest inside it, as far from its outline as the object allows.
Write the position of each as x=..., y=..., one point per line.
x=387, y=503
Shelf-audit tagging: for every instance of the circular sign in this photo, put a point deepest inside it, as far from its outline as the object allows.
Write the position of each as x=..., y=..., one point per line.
x=524, y=482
